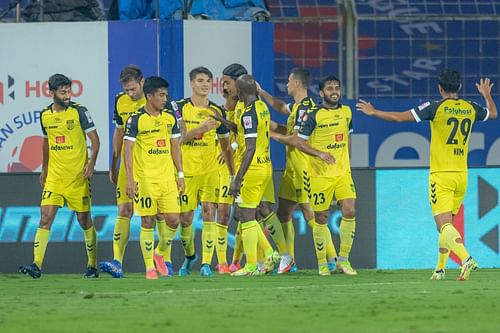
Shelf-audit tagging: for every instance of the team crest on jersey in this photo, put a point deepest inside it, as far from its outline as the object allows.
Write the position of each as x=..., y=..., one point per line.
x=247, y=122
x=423, y=106
x=70, y=124
x=157, y=123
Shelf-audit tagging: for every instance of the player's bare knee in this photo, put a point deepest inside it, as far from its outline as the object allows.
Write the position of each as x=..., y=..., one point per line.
x=208, y=211
x=186, y=220
x=46, y=221
x=321, y=217
x=125, y=210
x=84, y=220
x=148, y=221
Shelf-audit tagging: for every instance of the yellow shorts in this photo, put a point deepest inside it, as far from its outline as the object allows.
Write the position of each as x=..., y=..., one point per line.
x=75, y=192
x=121, y=187
x=325, y=189
x=202, y=188
x=224, y=185
x=252, y=190
x=447, y=191
x=152, y=198
x=268, y=195
x=295, y=187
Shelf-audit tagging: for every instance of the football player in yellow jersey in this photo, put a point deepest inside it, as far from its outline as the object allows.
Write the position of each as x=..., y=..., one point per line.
x=199, y=151
x=325, y=134
x=451, y=120
x=152, y=156
x=255, y=170
x=295, y=177
x=225, y=199
x=66, y=171
x=127, y=103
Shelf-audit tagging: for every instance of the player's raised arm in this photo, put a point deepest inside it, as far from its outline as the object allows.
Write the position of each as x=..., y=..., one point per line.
x=484, y=87
x=229, y=124
x=368, y=109
x=275, y=102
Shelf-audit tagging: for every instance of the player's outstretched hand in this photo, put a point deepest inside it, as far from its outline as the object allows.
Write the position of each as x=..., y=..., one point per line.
x=326, y=157
x=484, y=87
x=365, y=107
x=88, y=171
x=259, y=88
x=209, y=124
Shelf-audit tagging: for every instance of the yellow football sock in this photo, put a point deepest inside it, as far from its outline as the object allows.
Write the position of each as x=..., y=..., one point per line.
x=91, y=246
x=40, y=245
x=289, y=232
x=274, y=226
x=331, y=253
x=120, y=237
x=320, y=237
x=347, y=231
x=168, y=237
x=161, y=247
x=208, y=242
x=147, y=241
x=238, y=245
x=167, y=254
x=221, y=245
x=454, y=241
x=187, y=238
x=443, y=253
x=263, y=242
x=249, y=235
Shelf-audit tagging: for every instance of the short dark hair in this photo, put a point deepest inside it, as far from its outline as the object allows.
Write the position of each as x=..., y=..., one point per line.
x=450, y=80
x=153, y=84
x=57, y=81
x=234, y=71
x=303, y=75
x=329, y=78
x=129, y=73
x=200, y=70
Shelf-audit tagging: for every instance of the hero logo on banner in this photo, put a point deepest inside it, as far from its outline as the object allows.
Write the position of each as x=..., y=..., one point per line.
x=24, y=89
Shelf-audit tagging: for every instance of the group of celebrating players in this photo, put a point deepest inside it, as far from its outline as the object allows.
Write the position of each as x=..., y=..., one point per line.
x=170, y=157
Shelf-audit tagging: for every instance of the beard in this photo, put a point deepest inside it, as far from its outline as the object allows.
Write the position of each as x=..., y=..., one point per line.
x=331, y=101
x=62, y=102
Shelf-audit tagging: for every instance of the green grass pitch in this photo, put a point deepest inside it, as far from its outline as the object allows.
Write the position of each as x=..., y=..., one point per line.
x=373, y=301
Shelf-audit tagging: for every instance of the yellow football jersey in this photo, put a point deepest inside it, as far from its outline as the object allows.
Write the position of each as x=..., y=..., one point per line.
x=294, y=157
x=65, y=132
x=328, y=130
x=451, y=127
x=199, y=155
x=152, y=160
x=125, y=107
x=229, y=115
x=254, y=121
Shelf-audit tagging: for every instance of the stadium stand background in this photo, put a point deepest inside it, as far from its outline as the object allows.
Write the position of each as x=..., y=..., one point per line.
x=379, y=49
